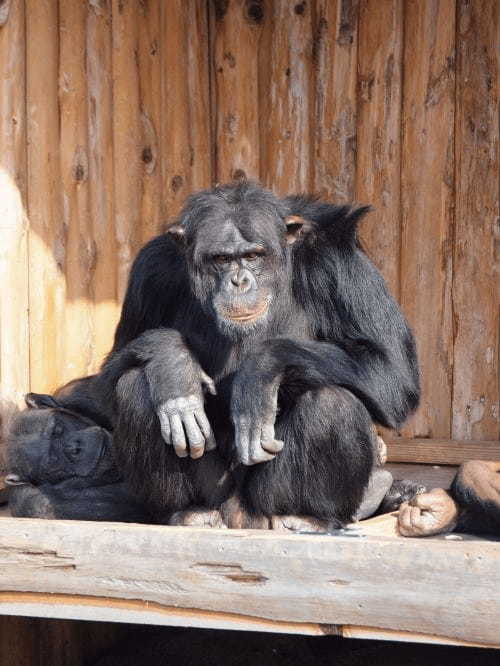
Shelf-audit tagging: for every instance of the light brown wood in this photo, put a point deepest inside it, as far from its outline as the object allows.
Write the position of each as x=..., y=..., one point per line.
x=431, y=476
x=14, y=325
x=427, y=182
x=77, y=352
x=150, y=108
x=286, y=93
x=101, y=180
x=378, y=163
x=127, y=139
x=185, y=130
x=335, y=55
x=292, y=578
x=476, y=262
x=441, y=451
x=235, y=39
x=48, y=234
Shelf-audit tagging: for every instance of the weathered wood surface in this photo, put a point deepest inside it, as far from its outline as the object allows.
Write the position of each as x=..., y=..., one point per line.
x=441, y=451
x=476, y=259
x=293, y=578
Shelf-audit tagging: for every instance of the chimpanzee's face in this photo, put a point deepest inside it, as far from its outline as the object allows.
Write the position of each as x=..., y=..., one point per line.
x=236, y=253
x=51, y=445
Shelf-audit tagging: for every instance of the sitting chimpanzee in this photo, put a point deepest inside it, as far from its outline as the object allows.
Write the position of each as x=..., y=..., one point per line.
x=471, y=505
x=61, y=466
x=256, y=331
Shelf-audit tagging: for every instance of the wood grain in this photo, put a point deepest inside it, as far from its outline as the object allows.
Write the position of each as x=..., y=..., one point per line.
x=335, y=57
x=441, y=451
x=101, y=178
x=296, y=578
x=378, y=164
x=78, y=310
x=14, y=304
x=235, y=40
x=48, y=234
x=286, y=94
x=476, y=274
x=427, y=182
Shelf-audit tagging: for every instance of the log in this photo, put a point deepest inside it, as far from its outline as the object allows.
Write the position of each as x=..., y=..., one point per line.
x=48, y=234
x=235, y=38
x=14, y=305
x=427, y=181
x=286, y=93
x=335, y=57
x=101, y=181
x=476, y=263
x=207, y=576
x=380, y=38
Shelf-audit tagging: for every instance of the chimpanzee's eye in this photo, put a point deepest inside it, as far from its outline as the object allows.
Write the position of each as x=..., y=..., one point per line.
x=222, y=258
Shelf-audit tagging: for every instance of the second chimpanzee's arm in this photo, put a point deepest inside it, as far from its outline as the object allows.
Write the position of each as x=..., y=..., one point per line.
x=175, y=381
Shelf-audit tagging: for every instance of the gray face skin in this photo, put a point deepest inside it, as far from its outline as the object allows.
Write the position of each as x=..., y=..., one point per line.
x=51, y=445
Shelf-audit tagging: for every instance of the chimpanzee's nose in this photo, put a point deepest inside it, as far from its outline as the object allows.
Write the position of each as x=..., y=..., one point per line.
x=241, y=280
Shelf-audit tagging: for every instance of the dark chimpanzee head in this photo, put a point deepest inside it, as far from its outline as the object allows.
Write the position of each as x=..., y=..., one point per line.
x=235, y=239
x=49, y=444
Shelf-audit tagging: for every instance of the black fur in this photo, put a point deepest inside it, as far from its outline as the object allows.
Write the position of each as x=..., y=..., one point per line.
x=332, y=338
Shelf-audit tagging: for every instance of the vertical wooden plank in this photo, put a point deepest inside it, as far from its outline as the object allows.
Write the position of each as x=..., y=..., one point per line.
x=47, y=237
x=286, y=91
x=380, y=35
x=335, y=54
x=14, y=325
x=150, y=110
x=427, y=203
x=127, y=136
x=19, y=641
x=101, y=183
x=185, y=132
x=235, y=54
x=476, y=277
x=78, y=331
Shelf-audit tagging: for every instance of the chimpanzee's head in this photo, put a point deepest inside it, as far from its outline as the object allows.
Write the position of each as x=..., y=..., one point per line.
x=49, y=444
x=235, y=240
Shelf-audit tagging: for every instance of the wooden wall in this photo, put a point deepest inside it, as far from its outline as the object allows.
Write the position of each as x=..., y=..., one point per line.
x=112, y=111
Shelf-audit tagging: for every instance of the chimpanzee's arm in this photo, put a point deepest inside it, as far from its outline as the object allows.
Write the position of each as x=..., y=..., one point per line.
x=175, y=380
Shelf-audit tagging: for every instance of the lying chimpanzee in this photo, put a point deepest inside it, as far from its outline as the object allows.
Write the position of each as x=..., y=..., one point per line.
x=275, y=344
x=472, y=504
x=61, y=466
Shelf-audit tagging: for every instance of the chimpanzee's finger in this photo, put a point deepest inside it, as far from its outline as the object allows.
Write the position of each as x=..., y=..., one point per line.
x=195, y=437
x=208, y=382
x=201, y=418
x=257, y=453
x=178, y=436
x=165, y=427
x=404, y=523
x=242, y=442
x=268, y=442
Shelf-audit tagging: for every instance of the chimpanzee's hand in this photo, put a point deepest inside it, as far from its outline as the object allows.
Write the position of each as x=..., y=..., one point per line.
x=428, y=514
x=253, y=412
x=176, y=386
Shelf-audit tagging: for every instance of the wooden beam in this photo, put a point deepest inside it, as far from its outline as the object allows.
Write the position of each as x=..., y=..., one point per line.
x=252, y=578
x=441, y=451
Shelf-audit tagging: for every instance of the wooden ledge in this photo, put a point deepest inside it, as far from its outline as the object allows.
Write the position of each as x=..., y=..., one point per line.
x=366, y=583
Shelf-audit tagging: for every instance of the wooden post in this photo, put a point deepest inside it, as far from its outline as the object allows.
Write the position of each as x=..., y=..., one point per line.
x=14, y=330
x=476, y=267
x=286, y=91
x=235, y=39
x=427, y=181
x=335, y=54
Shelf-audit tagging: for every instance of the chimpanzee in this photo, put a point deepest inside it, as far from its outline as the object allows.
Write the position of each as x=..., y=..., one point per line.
x=61, y=466
x=256, y=347
x=471, y=505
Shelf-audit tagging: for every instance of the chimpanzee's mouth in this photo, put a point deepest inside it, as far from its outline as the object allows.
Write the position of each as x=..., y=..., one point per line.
x=247, y=315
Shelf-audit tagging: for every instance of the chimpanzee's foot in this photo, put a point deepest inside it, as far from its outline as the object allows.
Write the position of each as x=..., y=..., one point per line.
x=236, y=517
x=198, y=517
x=301, y=524
x=428, y=514
x=377, y=489
x=401, y=491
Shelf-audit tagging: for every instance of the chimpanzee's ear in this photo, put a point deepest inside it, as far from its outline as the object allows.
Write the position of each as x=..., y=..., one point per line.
x=40, y=401
x=296, y=227
x=178, y=233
